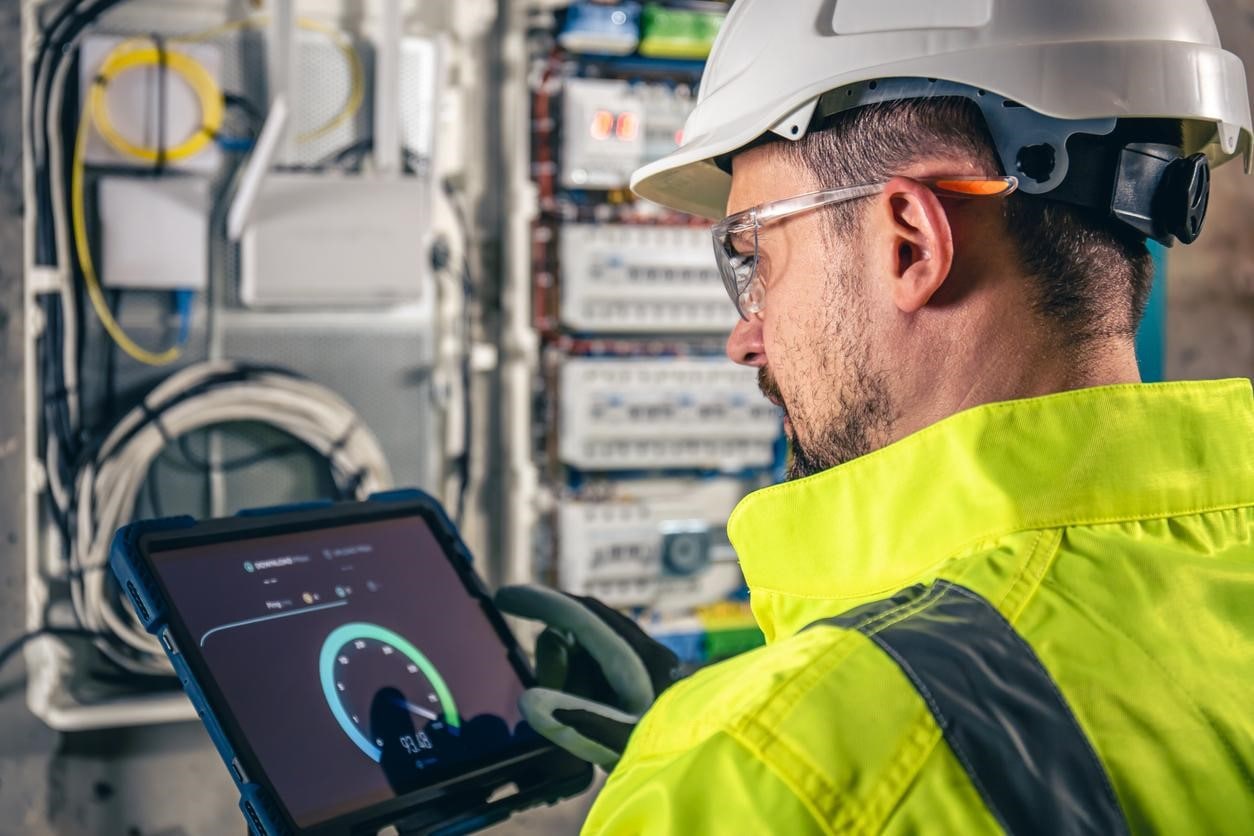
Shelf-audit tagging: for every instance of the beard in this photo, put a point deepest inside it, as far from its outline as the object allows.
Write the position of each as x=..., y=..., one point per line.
x=859, y=424
x=847, y=420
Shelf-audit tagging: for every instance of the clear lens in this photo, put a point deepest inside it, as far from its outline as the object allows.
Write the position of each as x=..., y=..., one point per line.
x=751, y=298
x=738, y=269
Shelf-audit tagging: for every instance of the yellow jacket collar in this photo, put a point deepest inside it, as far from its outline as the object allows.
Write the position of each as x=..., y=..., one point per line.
x=875, y=524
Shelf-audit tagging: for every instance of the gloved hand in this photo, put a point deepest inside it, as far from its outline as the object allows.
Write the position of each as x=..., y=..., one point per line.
x=598, y=672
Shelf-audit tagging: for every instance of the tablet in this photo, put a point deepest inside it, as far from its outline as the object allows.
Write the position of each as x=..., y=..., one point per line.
x=348, y=663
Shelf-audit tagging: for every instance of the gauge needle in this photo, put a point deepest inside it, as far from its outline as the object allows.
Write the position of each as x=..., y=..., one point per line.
x=419, y=710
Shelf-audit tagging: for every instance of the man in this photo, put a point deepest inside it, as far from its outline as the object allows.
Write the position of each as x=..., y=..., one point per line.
x=1008, y=587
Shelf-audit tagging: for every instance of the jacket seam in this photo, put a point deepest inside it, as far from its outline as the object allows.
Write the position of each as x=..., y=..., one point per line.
x=956, y=553
x=925, y=734
x=895, y=615
x=780, y=697
x=784, y=779
x=791, y=778
x=1051, y=539
x=943, y=722
x=854, y=808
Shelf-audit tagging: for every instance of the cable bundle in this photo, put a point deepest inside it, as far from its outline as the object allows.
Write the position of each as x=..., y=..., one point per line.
x=93, y=482
x=197, y=398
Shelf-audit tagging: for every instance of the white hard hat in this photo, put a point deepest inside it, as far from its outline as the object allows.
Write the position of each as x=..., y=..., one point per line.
x=1040, y=72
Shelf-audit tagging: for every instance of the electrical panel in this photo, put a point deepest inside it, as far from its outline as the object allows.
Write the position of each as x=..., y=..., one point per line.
x=661, y=546
x=186, y=238
x=666, y=109
x=640, y=279
x=632, y=414
x=217, y=189
x=605, y=134
x=612, y=127
x=645, y=434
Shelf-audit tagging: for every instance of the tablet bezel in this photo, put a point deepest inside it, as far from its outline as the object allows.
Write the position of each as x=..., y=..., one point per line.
x=516, y=764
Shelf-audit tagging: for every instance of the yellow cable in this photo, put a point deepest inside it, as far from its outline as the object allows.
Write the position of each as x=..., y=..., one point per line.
x=341, y=41
x=356, y=79
x=128, y=56
x=82, y=248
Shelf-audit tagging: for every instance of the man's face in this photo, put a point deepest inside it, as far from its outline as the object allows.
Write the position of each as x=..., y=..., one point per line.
x=814, y=341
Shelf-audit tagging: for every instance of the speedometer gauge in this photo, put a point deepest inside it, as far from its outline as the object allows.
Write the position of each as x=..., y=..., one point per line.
x=360, y=662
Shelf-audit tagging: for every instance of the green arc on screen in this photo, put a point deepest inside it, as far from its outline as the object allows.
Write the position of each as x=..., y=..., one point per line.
x=346, y=633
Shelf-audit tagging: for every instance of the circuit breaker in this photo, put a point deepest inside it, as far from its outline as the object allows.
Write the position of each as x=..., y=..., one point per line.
x=669, y=413
x=612, y=127
x=655, y=545
x=605, y=137
x=641, y=279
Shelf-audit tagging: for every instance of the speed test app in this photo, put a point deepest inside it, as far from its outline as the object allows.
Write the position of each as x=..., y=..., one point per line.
x=353, y=659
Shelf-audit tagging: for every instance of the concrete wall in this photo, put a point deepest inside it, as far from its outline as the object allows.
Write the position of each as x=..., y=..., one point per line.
x=1210, y=285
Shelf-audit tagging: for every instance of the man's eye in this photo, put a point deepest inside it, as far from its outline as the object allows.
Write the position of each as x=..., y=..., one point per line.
x=742, y=247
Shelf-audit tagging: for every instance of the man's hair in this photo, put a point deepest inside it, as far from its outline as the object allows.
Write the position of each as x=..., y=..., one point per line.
x=1092, y=274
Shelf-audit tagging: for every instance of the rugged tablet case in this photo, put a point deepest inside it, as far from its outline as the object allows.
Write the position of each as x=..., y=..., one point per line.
x=447, y=814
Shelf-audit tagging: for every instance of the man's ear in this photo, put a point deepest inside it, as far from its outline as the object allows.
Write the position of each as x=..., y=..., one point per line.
x=916, y=245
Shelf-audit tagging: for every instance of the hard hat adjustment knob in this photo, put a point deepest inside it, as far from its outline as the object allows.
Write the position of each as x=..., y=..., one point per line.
x=1183, y=197
x=1160, y=193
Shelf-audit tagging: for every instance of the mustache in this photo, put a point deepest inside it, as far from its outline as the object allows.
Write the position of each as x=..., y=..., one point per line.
x=770, y=389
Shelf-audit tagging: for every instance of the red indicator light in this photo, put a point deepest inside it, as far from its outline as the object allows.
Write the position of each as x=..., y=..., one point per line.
x=602, y=125
x=628, y=127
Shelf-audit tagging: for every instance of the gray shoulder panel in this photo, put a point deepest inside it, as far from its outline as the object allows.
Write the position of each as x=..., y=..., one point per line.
x=999, y=710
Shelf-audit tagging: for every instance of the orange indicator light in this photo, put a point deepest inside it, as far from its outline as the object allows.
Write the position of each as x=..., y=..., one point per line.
x=628, y=127
x=602, y=125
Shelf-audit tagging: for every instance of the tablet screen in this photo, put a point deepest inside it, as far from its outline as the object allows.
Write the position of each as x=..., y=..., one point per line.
x=353, y=659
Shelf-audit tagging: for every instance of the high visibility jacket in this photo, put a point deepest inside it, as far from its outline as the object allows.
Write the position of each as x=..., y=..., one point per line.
x=1034, y=616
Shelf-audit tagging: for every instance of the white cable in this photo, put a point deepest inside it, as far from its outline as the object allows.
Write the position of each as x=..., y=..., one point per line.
x=107, y=489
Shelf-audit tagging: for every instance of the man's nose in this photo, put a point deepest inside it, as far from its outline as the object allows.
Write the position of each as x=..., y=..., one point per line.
x=745, y=346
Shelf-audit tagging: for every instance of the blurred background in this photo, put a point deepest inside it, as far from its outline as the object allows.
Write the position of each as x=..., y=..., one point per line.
x=421, y=207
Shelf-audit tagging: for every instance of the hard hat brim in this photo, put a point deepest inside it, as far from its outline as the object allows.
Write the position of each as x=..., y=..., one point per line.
x=696, y=186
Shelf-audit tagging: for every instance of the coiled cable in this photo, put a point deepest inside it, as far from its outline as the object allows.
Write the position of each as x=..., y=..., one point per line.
x=199, y=397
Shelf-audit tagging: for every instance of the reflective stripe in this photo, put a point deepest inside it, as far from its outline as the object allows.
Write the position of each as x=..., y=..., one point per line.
x=1000, y=712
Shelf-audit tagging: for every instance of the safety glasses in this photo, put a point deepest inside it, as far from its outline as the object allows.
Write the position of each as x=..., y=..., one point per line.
x=736, y=237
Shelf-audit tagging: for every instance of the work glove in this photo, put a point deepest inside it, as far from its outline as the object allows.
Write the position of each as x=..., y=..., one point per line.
x=598, y=672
